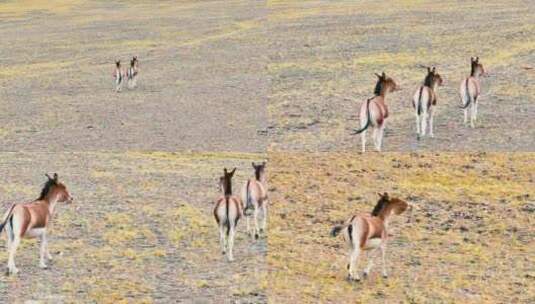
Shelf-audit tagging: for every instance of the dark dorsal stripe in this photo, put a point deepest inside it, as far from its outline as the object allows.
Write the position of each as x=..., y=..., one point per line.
x=47, y=187
x=378, y=87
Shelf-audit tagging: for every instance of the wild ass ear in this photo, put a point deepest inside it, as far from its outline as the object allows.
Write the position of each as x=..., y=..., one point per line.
x=225, y=171
x=428, y=70
x=477, y=59
x=379, y=193
x=384, y=75
x=55, y=177
x=378, y=76
x=232, y=172
x=263, y=163
x=254, y=166
x=434, y=69
x=48, y=176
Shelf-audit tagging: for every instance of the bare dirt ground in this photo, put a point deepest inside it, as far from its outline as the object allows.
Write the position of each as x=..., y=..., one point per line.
x=471, y=241
x=202, y=84
x=323, y=55
x=140, y=231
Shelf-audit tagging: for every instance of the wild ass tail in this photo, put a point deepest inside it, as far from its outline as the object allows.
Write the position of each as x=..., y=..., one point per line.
x=368, y=117
x=8, y=217
x=247, y=195
x=419, y=104
x=227, y=218
x=336, y=230
x=467, y=95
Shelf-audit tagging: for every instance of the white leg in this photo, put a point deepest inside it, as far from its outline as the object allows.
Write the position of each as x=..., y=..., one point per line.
x=424, y=123
x=371, y=256
x=466, y=116
x=42, y=251
x=383, y=256
x=475, y=109
x=374, y=137
x=417, y=126
x=222, y=238
x=472, y=115
x=12, y=269
x=255, y=214
x=265, y=214
x=380, y=137
x=363, y=141
x=353, y=260
x=431, y=114
x=231, y=244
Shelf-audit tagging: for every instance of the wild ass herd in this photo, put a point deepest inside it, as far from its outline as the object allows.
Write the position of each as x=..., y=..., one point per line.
x=361, y=232
x=374, y=111
x=131, y=74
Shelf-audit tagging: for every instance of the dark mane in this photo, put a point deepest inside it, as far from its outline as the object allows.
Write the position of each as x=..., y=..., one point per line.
x=428, y=80
x=378, y=87
x=379, y=207
x=46, y=188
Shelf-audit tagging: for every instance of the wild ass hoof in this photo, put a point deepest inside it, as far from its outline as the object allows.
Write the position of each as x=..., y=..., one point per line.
x=418, y=137
x=223, y=252
x=12, y=271
x=350, y=278
x=385, y=276
x=256, y=236
x=365, y=275
x=43, y=266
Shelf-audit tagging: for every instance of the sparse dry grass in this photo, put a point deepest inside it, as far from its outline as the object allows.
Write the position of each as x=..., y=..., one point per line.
x=471, y=242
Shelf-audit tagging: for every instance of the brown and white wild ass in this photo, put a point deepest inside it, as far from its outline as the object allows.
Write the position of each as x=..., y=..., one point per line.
x=228, y=210
x=254, y=196
x=374, y=111
x=118, y=74
x=424, y=102
x=369, y=232
x=32, y=219
x=470, y=90
x=131, y=73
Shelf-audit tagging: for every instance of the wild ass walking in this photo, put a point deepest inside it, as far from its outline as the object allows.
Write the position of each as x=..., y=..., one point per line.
x=374, y=111
x=228, y=210
x=424, y=102
x=369, y=232
x=119, y=76
x=32, y=219
x=131, y=73
x=471, y=90
x=254, y=195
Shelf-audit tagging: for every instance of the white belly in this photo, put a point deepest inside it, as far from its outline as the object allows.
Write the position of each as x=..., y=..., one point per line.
x=35, y=232
x=372, y=243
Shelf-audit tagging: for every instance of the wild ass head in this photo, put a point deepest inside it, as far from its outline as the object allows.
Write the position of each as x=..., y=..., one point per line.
x=384, y=85
x=433, y=79
x=227, y=181
x=477, y=69
x=54, y=190
x=259, y=170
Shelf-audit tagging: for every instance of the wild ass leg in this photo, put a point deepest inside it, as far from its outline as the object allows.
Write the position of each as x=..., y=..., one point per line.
x=431, y=114
x=475, y=108
x=42, y=251
x=12, y=269
x=247, y=220
x=380, y=135
x=231, y=243
x=417, y=126
x=424, y=123
x=466, y=116
x=363, y=141
x=472, y=115
x=353, y=261
x=264, y=219
x=371, y=256
x=383, y=256
x=255, y=214
x=222, y=238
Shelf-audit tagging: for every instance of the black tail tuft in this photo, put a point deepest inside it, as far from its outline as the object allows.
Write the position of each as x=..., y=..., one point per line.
x=2, y=226
x=467, y=96
x=336, y=230
x=368, y=117
x=419, y=105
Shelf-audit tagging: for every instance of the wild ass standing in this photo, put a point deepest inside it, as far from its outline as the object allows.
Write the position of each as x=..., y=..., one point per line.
x=369, y=232
x=131, y=73
x=374, y=111
x=119, y=76
x=228, y=210
x=471, y=90
x=32, y=219
x=424, y=102
x=254, y=195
